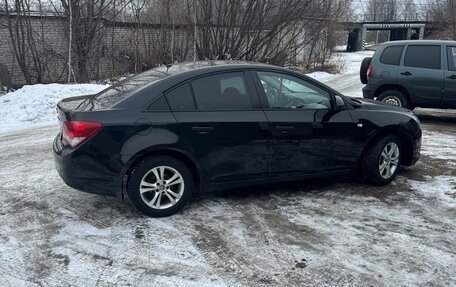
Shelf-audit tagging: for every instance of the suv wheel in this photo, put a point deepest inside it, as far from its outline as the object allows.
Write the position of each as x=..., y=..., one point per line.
x=394, y=98
x=160, y=186
x=382, y=161
x=363, y=69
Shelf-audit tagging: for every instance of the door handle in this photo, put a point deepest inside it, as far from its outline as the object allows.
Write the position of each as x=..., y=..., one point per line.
x=452, y=77
x=285, y=128
x=203, y=130
x=406, y=73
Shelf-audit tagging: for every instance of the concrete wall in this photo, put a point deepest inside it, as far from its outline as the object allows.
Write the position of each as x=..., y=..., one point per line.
x=116, y=53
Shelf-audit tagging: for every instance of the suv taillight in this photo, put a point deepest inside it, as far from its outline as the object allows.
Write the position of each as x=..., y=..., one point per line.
x=369, y=72
x=76, y=132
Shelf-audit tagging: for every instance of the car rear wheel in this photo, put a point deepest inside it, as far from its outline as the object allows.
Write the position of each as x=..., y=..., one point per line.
x=394, y=98
x=160, y=186
x=382, y=161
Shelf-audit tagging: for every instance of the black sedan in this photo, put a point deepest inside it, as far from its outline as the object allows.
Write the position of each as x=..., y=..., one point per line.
x=161, y=135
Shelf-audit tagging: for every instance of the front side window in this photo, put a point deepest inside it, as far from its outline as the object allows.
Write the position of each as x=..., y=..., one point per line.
x=392, y=55
x=289, y=92
x=451, y=52
x=226, y=91
x=427, y=57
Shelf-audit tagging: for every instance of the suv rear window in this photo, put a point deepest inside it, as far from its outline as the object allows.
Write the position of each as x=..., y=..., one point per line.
x=451, y=58
x=427, y=57
x=392, y=55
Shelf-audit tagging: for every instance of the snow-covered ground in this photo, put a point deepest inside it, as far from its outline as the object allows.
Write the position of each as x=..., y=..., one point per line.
x=329, y=232
x=347, y=82
x=35, y=105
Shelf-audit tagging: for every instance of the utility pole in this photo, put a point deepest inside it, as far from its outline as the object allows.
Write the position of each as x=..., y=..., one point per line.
x=70, y=40
x=194, y=31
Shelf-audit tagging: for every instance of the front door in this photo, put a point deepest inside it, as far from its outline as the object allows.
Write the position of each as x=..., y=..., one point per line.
x=422, y=75
x=307, y=134
x=224, y=125
x=449, y=97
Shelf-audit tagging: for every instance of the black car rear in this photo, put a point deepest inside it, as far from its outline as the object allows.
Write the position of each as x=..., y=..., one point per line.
x=225, y=126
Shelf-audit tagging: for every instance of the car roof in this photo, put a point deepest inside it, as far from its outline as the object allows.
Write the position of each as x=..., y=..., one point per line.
x=419, y=42
x=192, y=69
x=183, y=72
x=187, y=70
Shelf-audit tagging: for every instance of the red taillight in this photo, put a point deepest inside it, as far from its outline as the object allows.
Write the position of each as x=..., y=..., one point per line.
x=369, y=72
x=75, y=132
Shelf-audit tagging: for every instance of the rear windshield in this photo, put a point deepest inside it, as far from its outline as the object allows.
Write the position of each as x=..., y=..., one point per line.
x=120, y=91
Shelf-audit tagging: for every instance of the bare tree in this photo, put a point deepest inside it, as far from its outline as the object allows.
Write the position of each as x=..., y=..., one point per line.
x=268, y=31
x=443, y=13
x=408, y=10
x=28, y=42
x=86, y=22
x=134, y=35
x=381, y=10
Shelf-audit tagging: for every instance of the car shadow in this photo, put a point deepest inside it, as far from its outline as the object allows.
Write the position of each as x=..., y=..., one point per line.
x=342, y=184
x=442, y=118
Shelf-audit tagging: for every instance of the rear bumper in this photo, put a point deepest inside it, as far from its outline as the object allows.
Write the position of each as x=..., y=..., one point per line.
x=86, y=171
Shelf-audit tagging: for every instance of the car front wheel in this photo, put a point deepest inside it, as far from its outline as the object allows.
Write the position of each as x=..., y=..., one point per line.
x=160, y=186
x=382, y=161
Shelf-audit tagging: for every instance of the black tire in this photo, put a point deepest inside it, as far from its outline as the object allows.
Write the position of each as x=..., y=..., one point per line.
x=145, y=167
x=394, y=97
x=363, y=70
x=371, y=161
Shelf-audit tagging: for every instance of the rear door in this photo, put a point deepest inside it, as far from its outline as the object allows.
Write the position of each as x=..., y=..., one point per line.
x=307, y=134
x=449, y=97
x=421, y=73
x=224, y=124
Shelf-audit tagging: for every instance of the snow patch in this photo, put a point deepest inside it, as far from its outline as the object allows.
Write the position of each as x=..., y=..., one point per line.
x=437, y=147
x=440, y=188
x=35, y=104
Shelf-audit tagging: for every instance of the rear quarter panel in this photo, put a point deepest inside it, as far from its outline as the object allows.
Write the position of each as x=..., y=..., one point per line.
x=382, y=74
x=127, y=136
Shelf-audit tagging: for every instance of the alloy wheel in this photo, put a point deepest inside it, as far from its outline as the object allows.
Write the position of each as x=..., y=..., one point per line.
x=389, y=160
x=161, y=187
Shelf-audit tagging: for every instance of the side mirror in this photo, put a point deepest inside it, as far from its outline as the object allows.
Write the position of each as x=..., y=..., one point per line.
x=340, y=104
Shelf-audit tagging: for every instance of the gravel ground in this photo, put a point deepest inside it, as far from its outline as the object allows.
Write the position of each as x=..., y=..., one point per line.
x=322, y=232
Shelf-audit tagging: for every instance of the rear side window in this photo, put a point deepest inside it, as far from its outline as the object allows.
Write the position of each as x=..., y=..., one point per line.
x=181, y=99
x=392, y=55
x=225, y=91
x=451, y=52
x=427, y=57
x=159, y=105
